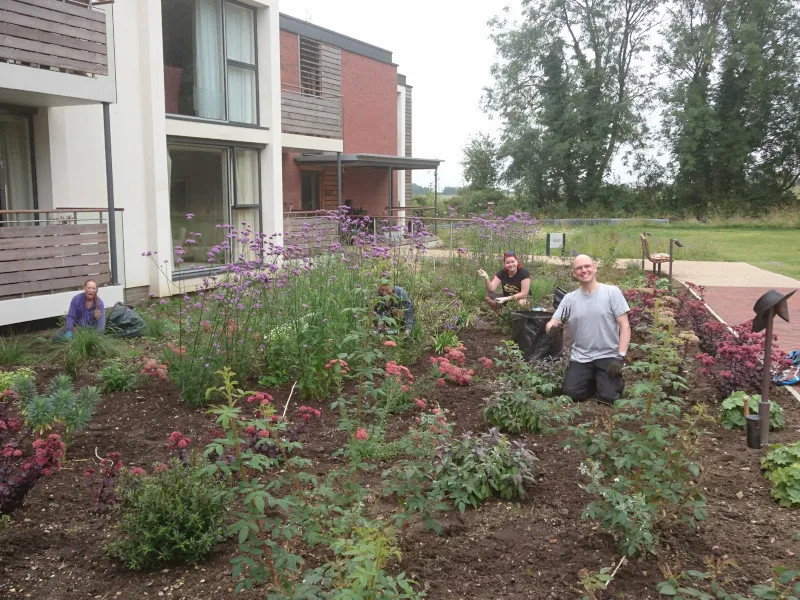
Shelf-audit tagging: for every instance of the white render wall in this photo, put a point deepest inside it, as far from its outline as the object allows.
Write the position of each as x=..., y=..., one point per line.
x=70, y=147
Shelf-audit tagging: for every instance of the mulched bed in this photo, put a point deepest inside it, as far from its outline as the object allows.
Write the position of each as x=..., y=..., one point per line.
x=530, y=549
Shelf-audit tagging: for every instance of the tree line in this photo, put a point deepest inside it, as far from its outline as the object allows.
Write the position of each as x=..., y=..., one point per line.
x=584, y=88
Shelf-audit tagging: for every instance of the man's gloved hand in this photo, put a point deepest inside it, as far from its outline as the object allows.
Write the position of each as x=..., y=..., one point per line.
x=616, y=365
x=502, y=300
x=68, y=335
x=483, y=274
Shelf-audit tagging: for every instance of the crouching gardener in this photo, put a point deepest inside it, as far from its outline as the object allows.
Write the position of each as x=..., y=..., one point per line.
x=597, y=315
x=395, y=302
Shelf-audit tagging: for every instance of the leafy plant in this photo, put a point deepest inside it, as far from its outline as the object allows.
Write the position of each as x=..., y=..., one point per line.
x=105, y=494
x=732, y=411
x=782, y=466
x=515, y=410
x=86, y=343
x=445, y=340
x=18, y=473
x=60, y=405
x=14, y=350
x=116, y=377
x=710, y=584
x=641, y=463
x=10, y=378
x=156, y=327
x=474, y=468
x=176, y=513
x=537, y=377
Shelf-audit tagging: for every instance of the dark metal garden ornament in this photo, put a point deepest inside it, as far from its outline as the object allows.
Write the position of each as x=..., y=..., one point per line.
x=770, y=304
x=672, y=241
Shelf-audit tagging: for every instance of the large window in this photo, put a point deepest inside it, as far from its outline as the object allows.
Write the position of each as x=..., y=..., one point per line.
x=210, y=60
x=217, y=186
x=310, y=67
x=16, y=165
x=309, y=191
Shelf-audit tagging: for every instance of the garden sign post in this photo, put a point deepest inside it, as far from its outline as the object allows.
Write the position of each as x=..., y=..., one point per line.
x=770, y=304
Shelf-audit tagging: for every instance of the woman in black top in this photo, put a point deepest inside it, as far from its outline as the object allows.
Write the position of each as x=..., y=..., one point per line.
x=514, y=279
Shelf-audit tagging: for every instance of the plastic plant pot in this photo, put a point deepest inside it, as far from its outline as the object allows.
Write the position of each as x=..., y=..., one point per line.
x=753, y=426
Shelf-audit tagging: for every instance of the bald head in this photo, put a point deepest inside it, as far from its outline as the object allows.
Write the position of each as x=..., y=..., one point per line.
x=580, y=259
x=584, y=270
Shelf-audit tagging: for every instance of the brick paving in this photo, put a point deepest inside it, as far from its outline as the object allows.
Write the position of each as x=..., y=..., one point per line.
x=735, y=305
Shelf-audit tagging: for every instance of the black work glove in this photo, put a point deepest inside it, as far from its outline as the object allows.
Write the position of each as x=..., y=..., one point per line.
x=615, y=366
x=556, y=329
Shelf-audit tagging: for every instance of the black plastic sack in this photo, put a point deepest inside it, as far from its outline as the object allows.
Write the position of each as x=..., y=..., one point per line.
x=558, y=296
x=124, y=321
x=528, y=332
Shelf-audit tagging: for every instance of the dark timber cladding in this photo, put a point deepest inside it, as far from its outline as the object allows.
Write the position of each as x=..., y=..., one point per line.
x=53, y=33
x=316, y=107
x=52, y=258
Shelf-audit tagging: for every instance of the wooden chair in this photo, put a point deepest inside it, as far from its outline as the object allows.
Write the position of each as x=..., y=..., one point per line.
x=657, y=258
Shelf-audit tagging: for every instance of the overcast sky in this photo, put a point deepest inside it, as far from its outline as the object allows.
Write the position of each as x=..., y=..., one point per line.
x=443, y=47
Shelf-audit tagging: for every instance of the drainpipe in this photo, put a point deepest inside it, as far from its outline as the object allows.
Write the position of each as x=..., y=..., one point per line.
x=339, y=178
x=112, y=220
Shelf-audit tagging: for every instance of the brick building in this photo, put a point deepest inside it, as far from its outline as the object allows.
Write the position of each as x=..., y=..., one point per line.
x=338, y=89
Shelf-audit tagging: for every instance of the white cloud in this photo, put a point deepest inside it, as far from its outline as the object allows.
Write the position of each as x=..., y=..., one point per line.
x=443, y=47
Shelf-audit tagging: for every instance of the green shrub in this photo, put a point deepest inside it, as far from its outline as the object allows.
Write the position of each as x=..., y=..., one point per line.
x=515, y=410
x=732, y=411
x=445, y=339
x=10, y=378
x=474, y=468
x=86, y=343
x=116, y=377
x=782, y=465
x=156, y=327
x=59, y=405
x=14, y=351
x=173, y=514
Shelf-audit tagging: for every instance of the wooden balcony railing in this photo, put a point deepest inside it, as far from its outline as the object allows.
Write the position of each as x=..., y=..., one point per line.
x=46, y=252
x=318, y=115
x=70, y=36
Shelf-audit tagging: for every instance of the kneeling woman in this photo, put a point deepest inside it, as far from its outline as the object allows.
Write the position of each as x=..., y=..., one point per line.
x=514, y=279
x=85, y=310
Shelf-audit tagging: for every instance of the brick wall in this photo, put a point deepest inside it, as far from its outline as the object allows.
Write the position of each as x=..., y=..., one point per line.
x=369, y=91
x=290, y=58
x=291, y=182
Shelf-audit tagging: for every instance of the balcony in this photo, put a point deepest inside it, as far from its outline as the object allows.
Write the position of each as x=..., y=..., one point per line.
x=54, y=34
x=316, y=114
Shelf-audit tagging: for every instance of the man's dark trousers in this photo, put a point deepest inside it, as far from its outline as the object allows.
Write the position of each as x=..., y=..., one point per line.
x=584, y=380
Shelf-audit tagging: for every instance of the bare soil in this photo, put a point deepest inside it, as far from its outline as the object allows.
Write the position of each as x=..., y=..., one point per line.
x=529, y=549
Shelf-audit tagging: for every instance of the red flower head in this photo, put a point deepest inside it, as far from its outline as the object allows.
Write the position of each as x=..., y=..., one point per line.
x=390, y=344
x=422, y=403
x=361, y=434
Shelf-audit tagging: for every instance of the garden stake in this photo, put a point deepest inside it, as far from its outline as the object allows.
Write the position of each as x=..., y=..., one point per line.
x=766, y=307
x=285, y=408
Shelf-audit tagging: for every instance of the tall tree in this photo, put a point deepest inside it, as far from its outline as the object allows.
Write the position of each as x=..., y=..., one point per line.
x=570, y=90
x=481, y=165
x=733, y=118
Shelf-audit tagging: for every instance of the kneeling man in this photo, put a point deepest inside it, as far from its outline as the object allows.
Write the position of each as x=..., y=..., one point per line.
x=597, y=315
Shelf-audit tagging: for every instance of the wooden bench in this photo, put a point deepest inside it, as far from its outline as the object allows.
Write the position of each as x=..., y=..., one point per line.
x=657, y=258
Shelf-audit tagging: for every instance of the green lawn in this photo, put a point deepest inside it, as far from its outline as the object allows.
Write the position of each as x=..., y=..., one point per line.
x=776, y=250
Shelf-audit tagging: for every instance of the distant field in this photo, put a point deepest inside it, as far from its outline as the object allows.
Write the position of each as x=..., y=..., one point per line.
x=776, y=250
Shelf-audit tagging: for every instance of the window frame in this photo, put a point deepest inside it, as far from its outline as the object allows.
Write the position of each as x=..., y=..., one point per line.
x=225, y=62
x=231, y=203
x=28, y=114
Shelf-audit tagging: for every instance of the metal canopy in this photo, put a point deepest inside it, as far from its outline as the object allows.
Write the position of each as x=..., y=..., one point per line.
x=373, y=161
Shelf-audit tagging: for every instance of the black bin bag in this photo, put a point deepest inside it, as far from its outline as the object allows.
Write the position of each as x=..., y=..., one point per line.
x=124, y=321
x=528, y=332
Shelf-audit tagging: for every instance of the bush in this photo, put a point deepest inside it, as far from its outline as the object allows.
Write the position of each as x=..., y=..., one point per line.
x=782, y=465
x=156, y=327
x=60, y=404
x=14, y=351
x=86, y=343
x=515, y=410
x=732, y=411
x=10, y=378
x=475, y=468
x=174, y=514
x=115, y=377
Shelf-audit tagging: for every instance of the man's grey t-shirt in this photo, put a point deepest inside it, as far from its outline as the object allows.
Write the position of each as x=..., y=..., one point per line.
x=592, y=319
